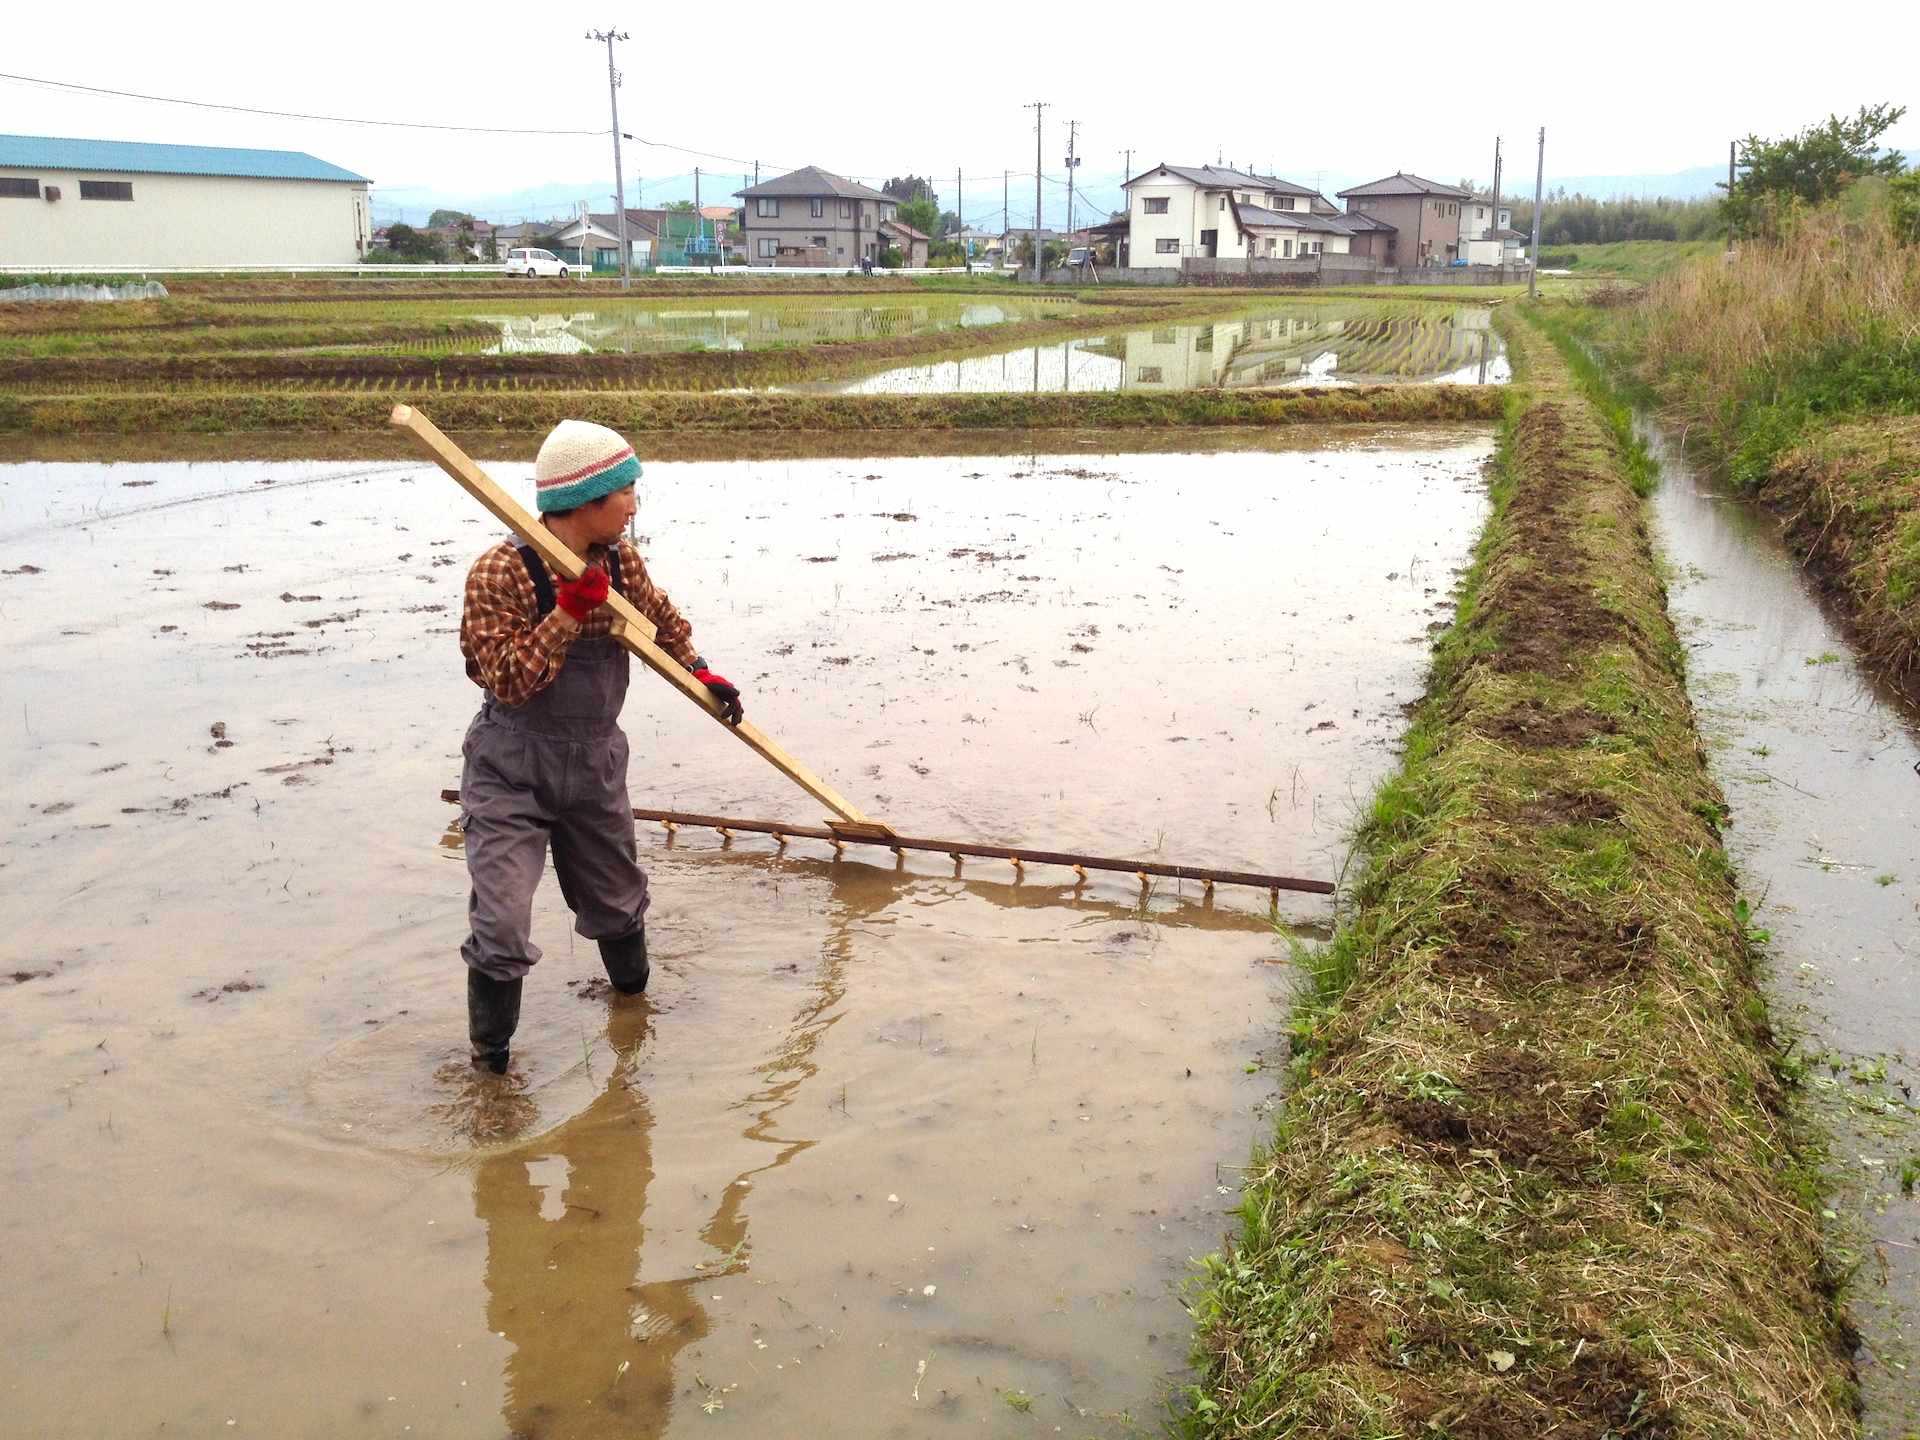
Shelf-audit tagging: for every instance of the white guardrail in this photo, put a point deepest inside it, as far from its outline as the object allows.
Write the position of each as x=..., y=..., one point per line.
x=143, y=272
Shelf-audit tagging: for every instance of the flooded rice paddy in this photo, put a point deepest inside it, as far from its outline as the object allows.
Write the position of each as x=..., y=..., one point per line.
x=887, y=1150
x=1272, y=347
x=745, y=324
x=1821, y=770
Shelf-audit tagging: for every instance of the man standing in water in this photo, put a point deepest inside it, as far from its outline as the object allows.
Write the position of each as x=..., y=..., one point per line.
x=545, y=759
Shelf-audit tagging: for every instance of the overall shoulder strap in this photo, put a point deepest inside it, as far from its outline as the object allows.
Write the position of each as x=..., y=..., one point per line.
x=613, y=568
x=542, y=581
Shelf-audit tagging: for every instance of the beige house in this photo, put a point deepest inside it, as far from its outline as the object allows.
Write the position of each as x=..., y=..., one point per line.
x=1177, y=212
x=138, y=206
x=814, y=217
x=1425, y=216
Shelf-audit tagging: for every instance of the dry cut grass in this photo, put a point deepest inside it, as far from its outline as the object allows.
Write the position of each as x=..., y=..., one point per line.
x=1540, y=1174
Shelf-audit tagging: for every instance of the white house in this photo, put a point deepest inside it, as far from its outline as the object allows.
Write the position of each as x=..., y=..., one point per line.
x=1487, y=236
x=1179, y=211
x=140, y=206
x=594, y=240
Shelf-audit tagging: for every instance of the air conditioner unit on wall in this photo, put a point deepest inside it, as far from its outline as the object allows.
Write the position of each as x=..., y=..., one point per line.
x=52, y=192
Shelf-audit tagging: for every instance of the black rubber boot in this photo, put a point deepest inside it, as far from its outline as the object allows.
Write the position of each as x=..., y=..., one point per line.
x=626, y=962
x=493, y=1014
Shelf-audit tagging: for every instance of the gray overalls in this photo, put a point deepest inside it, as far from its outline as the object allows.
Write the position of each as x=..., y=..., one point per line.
x=553, y=768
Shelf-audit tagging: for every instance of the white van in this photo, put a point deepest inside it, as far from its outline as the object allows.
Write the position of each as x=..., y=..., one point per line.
x=531, y=263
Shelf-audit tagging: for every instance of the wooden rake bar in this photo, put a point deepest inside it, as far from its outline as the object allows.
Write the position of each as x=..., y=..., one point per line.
x=839, y=836
x=631, y=628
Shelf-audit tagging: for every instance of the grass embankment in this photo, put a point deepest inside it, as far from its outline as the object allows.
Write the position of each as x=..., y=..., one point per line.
x=1539, y=1174
x=1630, y=259
x=1794, y=372
x=640, y=414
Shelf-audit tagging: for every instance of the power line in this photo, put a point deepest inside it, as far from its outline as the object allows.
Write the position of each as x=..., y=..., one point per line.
x=288, y=114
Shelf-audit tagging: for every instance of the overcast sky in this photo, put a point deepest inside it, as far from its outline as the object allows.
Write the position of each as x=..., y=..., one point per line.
x=1339, y=91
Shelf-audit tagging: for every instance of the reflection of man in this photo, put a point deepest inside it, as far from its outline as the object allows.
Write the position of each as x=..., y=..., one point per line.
x=561, y=1286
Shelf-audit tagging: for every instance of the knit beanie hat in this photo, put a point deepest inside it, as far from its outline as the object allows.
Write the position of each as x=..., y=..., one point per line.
x=580, y=461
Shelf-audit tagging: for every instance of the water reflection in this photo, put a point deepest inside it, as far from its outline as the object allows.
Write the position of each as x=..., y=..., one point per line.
x=746, y=327
x=1292, y=348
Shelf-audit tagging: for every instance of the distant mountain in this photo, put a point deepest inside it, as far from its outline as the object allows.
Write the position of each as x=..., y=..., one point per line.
x=556, y=200
x=1701, y=182
x=550, y=201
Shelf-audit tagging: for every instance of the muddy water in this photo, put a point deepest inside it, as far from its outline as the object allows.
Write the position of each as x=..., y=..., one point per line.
x=887, y=1150
x=743, y=325
x=1822, y=772
x=1271, y=347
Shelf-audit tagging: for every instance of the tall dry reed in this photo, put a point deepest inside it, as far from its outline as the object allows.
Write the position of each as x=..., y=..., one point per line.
x=1718, y=337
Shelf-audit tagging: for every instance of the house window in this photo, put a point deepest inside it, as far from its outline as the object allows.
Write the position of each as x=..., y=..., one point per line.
x=106, y=190
x=846, y=209
x=1287, y=253
x=818, y=207
x=1286, y=203
x=18, y=188
x=1148, y=375
x=821, y=241
x=766, y=209
x=1223, y=203
x=1166, y=247
x=769, y=247
x=1156, y=204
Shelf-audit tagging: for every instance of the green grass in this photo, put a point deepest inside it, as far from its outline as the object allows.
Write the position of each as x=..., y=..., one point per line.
x=1630, y=259
x=1538, y=1149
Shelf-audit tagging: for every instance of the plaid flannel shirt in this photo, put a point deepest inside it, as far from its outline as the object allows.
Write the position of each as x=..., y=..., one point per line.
x=515, y=652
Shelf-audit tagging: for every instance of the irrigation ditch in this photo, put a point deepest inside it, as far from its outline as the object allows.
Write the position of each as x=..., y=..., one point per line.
x=1542, y=1171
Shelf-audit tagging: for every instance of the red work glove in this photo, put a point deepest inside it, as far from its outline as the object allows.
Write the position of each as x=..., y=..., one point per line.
x=725, y=693
x=580, y=598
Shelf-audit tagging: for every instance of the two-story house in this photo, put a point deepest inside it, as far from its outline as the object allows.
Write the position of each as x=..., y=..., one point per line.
x=1177, y=212
x=1487, y=236
x=814, y=217
x=1425, y=216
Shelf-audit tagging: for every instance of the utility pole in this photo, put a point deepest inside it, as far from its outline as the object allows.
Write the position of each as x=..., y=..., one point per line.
x=1039, y=108
x=1073, y=127
x=1006, y=222
x=1495, y=219
x=699, y=227
x=960, y=214
x=619, y=185
x=1732, y=147
x=1539, y=184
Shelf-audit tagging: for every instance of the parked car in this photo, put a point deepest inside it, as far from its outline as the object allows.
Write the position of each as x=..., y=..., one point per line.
x=531, y=263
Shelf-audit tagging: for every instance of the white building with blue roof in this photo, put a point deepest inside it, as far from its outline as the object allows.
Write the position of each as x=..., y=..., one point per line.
x=131, y=205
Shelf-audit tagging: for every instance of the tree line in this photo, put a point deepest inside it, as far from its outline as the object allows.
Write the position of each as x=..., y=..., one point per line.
x=1773, y=177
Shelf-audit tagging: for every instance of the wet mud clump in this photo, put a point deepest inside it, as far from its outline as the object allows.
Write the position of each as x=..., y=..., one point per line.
x=1533, y=725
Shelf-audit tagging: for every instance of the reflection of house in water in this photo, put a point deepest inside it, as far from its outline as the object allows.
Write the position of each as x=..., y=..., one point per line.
x=634, y=330
x=1319, y=350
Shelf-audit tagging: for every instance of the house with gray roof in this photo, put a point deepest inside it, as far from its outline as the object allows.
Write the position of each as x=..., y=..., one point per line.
x=814, y=217
x=1424, y=214
x=67, y=203
x=1178, y=212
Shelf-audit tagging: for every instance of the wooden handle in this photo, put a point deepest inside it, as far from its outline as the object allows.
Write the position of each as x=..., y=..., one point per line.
x=631, y=628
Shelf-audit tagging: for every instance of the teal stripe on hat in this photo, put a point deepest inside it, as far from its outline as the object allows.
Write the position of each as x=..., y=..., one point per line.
x=576, y=493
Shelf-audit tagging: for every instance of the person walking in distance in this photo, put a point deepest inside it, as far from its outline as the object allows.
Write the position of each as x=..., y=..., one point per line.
x=545, y=760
